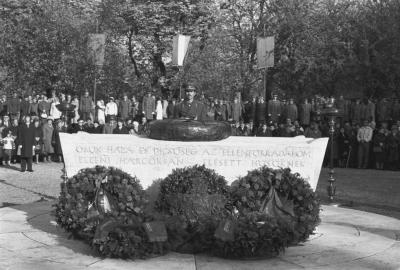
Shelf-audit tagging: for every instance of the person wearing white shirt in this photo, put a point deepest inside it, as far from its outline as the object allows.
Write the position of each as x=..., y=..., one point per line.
x=159, y=110
x=54, y=112
x=364, y=137
x=111, y=108
x=101, y=108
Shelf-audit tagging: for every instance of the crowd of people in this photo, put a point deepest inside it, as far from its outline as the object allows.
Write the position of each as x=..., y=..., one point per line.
x=366, y=135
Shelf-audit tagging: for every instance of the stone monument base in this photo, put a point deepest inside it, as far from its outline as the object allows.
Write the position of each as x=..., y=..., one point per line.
x=346, y=239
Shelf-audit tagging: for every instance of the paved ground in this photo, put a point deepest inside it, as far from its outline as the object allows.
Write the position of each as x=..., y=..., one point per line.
x=369, y=190
x=346, y=239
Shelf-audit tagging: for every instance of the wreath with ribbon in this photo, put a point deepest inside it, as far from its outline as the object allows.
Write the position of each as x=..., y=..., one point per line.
x=191, y=210
x=105, y=207
x=269, y=211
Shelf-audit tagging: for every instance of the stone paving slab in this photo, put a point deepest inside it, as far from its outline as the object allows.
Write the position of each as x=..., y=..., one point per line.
x=346, y=239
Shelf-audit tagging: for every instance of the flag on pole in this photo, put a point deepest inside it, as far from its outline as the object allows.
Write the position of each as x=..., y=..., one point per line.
x=179, y=49
x=96, y=47
x=265, y=52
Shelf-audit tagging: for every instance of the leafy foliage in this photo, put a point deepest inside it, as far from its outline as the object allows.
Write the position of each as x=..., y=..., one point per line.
x=192, y=202
x=324, y=47
x=74, y=212
x=196, y=196
x=258, y=233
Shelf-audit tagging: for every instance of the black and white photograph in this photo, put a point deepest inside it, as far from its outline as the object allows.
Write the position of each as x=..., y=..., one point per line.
x=199, y=134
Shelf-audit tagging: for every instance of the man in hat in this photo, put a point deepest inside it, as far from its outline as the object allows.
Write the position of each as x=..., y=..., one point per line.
x=291, y=110
x=149, y=106
x=110, y=126
x=25, y=106
x=80, y=127
x=275, y=109
x=120, y=128
x=191, y=108
x=86, y=105
x=26, y=141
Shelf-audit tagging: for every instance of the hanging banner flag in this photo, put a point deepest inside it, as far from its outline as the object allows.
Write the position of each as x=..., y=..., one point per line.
x=265, y=52
x=179, y=49
x=96, y=47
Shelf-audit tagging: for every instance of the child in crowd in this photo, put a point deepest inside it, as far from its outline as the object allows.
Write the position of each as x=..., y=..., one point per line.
x=8, y=147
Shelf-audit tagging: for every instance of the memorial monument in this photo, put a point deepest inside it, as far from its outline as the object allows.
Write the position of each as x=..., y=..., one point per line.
x=270, y=203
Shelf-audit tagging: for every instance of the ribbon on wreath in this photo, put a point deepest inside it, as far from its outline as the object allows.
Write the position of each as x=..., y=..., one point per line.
x=275, y=206
x=103, y=204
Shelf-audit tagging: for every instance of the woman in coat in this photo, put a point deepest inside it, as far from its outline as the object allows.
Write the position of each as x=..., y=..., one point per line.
x=56, y=140
x=38, y=139
x=48, y=149
x=378, y=148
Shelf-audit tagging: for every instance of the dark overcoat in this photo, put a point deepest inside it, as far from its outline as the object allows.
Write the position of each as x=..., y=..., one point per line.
x=26, y=138
x=261, y=112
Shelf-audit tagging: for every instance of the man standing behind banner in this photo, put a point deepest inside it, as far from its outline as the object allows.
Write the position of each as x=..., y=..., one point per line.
x=191, y=108
x=26, y=141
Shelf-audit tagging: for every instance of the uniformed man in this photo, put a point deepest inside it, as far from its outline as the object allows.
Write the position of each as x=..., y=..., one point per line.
x=191, y=108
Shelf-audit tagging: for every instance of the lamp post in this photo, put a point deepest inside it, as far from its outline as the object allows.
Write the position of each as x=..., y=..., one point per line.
x=331, y=112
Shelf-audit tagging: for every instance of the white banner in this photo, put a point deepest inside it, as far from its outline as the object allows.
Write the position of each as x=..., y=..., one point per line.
x=265, y=52
x=149, y=159
x=96, y=46
x=179, y=49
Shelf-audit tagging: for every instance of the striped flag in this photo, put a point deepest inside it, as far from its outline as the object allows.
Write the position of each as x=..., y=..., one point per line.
x=179, y=49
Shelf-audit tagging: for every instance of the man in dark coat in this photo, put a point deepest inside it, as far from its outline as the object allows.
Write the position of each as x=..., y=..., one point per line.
x=383, y=110
x=191, y=108
x=291, y=110
x=172, y=109
x=26, y=141
x=275, y=109
x=261, y=111
x=149, y=106
x=120, y=129
x=80, y=127
x=125, y=107
x=44, y=107
x=250, y=110
x=3, y=105
x=305, y=113
x=14, y=106
x=344, y=106
x=25, y=106
x=356, y=110
x=85, y=106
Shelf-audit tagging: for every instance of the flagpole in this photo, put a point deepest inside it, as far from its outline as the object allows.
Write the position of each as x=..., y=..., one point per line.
x=265, y=84
x=95, y=68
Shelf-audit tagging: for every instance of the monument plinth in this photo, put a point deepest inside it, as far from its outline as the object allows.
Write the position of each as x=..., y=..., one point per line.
x=150, y=159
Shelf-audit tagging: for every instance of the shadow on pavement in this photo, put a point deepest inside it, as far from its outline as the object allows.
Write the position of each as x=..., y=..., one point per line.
x=42, y=195
x=11, y=167
x=40, y=216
